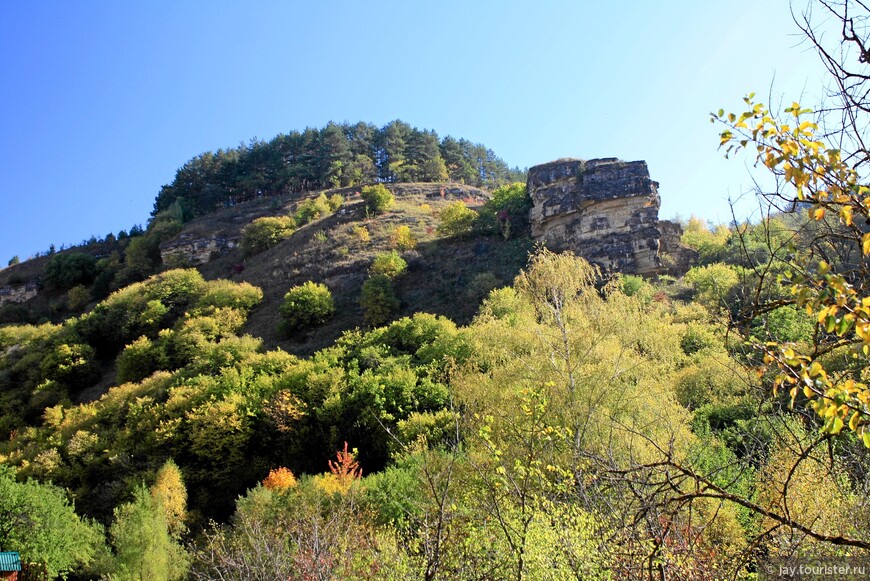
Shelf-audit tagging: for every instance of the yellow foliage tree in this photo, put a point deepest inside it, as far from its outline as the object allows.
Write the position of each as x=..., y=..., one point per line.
x=827, y=184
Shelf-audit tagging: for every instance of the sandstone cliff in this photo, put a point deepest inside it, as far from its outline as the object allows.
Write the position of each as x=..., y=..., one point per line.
x=604, y=210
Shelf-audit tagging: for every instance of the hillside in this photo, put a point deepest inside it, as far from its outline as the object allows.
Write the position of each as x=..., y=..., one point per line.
x=440, y=396
x=446, y=275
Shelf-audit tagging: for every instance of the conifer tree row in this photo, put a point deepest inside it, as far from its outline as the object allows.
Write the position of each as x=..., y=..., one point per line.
x=337, y=155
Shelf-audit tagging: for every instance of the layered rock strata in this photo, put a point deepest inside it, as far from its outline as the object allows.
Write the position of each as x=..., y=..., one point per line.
x=604, y=210
x=18, y=293
x=190, y=250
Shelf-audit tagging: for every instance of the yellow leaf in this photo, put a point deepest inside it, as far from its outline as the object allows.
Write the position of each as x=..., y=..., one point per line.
x=817, y=213
x=846, y=214
x=865, y=243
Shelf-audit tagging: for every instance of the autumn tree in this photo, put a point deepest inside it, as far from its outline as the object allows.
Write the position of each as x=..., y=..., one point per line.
x=819, y=159
x=144, y=548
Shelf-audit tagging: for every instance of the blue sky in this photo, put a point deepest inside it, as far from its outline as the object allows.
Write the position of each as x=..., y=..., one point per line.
x=100, y=102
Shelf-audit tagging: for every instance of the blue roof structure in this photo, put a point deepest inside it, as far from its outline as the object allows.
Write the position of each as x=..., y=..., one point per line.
x=10, y=561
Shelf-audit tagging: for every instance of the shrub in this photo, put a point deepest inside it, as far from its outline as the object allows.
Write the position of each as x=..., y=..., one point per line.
x=78, y=297
x=698, y=337
x=503, y=303
x=224, y=293
x=14, y=313
x=139, y=360
x=263, y=233
x=362, y=233
x=378, y=198
x=279, y=479
x=631, y=284
x=402, y=238
x=306, y=306
x=313, y=209
x=713, y=283
x=388, y=264
x=13, y=261
x=507, y=212
x=481, y=285
x=72, y=364
x=785, y=324
x=65, y=271
x=335, y=202
x=378, y=300
x=456, y=219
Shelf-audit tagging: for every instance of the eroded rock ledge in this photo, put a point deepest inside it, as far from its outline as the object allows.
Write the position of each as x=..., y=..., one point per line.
x=606, y=211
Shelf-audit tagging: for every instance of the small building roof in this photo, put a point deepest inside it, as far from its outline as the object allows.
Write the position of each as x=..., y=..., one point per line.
x=10, y=561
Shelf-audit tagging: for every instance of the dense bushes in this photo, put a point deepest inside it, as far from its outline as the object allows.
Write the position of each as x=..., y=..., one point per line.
x=507, y=212
x=306, y=306
x=67, y=270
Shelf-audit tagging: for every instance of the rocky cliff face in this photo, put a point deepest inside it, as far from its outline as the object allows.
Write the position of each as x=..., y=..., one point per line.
x=18, y=293
x=604, y=210
x=189, y=250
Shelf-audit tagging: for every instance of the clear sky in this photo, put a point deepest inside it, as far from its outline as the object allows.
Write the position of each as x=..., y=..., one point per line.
x=101, y=101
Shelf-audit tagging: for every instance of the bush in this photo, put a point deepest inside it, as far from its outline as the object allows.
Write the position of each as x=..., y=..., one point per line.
x=481, y=285
x=306, y=306
x=139, y=360
x=402, y=238
x=14, y=313
x=65, y=271
x=713, y=283
x=388, y=264
x=264, y=233
x=378, y=300
x=457, y=219
x=508, y=210
x=77, y=298
x=378, y=198
x=335, y=202
x=313, y=209
x=224, y=293
x=362, y=233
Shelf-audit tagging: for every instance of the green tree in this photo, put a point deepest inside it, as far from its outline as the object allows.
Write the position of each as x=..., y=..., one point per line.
x=144, y=549
x=378, y=300
x=457, y=219
x=378, y=198
x=39, y=522
x=66, y=270
x=13, y=261
x=713, y=284
x=306, y=306
x=388, y=264
x=264, y=233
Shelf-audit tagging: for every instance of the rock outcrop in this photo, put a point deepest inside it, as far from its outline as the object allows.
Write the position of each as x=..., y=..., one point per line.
x=189, y=250
x=604, y=210
x=18, y=293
